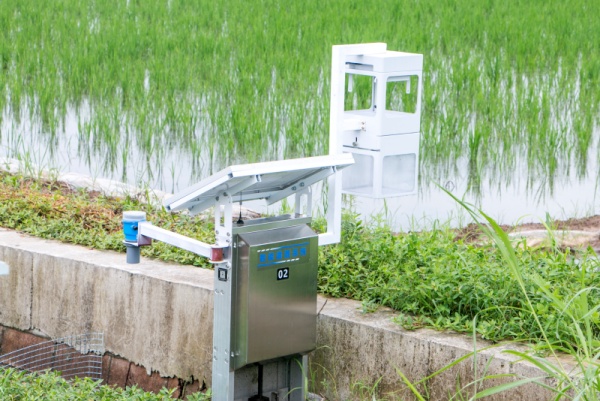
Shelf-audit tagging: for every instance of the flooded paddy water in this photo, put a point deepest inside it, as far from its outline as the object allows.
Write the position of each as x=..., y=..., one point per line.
x=509, y=198
x=162, y=94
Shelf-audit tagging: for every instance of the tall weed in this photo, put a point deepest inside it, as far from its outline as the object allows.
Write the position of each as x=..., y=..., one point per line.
x=578, y=313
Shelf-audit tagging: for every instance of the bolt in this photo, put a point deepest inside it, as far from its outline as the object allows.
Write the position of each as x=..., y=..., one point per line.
x=294, y=188
x=301, y=184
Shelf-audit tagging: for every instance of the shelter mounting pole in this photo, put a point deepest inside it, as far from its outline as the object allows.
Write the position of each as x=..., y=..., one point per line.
x=336, y=118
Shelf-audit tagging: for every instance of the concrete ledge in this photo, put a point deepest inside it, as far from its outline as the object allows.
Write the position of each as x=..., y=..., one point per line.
x=158, y=316
x=362, y=352
x=155, y=314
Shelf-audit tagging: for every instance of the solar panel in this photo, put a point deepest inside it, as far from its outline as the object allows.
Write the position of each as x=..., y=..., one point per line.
x=271, y=181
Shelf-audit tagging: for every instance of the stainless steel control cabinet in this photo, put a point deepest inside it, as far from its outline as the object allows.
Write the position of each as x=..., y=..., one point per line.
x=274, y=291
x=265, y=272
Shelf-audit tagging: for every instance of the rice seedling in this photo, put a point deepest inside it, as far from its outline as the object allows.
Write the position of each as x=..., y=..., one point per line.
x=503, y=82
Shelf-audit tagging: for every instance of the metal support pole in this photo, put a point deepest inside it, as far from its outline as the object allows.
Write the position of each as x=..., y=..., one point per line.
x=259, y=396
x=223, y=376
x=133, y=253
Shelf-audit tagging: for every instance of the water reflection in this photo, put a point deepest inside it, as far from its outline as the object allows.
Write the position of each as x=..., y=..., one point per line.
x=518, y=196
x=522, y=185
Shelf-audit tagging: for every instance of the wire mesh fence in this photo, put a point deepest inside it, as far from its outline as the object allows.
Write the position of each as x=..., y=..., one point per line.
x=72, y=356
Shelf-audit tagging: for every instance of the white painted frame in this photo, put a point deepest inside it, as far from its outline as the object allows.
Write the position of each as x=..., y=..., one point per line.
x=336, y=129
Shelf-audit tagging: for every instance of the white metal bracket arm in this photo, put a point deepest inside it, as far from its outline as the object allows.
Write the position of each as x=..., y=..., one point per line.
x=147, y=231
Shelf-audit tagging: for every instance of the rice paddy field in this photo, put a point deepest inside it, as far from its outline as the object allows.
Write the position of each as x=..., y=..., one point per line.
x=164, y=93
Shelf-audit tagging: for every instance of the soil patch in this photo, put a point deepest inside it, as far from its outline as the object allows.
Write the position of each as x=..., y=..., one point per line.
x=572, y=233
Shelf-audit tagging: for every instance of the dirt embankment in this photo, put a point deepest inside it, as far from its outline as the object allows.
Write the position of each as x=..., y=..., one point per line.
x=573, y=233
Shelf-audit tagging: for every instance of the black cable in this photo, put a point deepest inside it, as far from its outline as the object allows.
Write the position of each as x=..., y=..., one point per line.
x=240, y=221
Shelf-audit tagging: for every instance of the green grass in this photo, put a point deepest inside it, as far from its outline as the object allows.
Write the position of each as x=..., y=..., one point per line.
x=435, y=280
x=53, y=211
x=576, y=319
x=17, y=385
x=508, y=85
x=432, y=278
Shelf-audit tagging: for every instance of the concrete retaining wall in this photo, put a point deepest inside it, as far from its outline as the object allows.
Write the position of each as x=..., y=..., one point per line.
x=157, y=317
x=115, y=370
